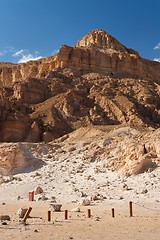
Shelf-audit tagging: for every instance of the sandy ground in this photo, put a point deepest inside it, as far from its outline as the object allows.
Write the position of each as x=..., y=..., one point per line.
x=143, y=225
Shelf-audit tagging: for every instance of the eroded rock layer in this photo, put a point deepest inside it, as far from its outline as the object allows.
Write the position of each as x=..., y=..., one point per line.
x=97, y=82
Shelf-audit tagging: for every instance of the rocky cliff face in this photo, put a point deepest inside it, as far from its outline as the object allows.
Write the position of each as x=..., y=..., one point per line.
x=97, y=82
x=101, y=40
x=97, y=51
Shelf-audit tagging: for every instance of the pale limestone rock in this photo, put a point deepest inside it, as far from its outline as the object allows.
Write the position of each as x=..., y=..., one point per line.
x=100, y=39
x=21, y=212
x=86, y=202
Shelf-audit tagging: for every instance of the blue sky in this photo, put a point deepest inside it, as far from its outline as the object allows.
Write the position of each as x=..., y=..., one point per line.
x=37, y=28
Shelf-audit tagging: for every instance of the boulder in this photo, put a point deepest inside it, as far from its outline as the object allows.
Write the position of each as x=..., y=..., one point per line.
x=21, y=212
x=86, y=202
x=5, y=218
x=38, y=190
x=56, y=207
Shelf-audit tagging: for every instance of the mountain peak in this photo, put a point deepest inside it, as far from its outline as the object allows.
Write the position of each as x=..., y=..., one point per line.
x=100, y=39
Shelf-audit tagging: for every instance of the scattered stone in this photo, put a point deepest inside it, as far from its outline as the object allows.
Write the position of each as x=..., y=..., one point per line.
x=5, y=218
x=37, y=174
x=66, y=181
x=38, y=190
x=97, y=218
x=71, y=149
x=94, y=198
x=83, y=194
x=76, y=190
x=125, y=187
x=53, y=199
x=121, y=197
x=56, y=207
x=21, y=212
x=3, y=223
x=77, y=209
x=144, y=191
x=90, y=178
x=11, y=178
x=152, y=175
x=86, y=202
x=70, y=237
x=44, y=198
x=106, y=142
x=74, y=201
x=79, y=170
x=39, y=199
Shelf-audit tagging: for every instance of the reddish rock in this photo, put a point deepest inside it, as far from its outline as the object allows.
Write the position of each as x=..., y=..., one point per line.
x=96, y=82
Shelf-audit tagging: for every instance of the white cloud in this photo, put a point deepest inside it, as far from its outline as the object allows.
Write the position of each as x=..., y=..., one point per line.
x=157, y=47
x=18, y=53
x=21, y=55
x=26, y=56
x=157, y=59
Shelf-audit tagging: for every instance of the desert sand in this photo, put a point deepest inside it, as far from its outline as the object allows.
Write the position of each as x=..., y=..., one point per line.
x=143, y=225
x=67, y=177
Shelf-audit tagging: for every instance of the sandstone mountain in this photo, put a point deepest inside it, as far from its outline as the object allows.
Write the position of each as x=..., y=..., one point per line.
x=97, y=102
x=96, y=82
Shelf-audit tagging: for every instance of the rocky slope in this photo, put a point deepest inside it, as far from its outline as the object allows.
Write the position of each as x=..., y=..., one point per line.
x=98, y=87
x=99, y=163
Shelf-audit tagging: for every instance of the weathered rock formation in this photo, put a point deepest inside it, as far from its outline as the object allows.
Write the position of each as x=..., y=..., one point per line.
x=97, y=51
x=16, y=158
x=97, y=82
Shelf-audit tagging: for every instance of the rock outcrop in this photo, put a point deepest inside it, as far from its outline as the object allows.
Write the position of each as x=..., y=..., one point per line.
x=96, y=82
x=97, y=51
x=16, y=158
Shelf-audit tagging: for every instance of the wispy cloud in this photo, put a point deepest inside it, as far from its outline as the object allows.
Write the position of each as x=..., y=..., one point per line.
x=55, y=51
x=19, y=56
x=157, y=47
x=16, y=54
x=157, y=59
x=7, y=50
x=26, y=56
